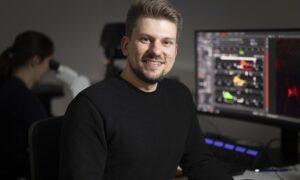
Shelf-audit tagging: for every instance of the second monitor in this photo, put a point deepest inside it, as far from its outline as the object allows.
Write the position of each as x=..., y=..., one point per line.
x=249, y=73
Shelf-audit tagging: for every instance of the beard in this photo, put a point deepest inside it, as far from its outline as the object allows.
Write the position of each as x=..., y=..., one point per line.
x=143, y=77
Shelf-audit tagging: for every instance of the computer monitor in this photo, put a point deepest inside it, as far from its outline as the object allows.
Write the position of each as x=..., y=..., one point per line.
x=251, y=75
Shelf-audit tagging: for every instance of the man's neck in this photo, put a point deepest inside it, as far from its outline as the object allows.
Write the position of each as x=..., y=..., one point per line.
x=138, y=83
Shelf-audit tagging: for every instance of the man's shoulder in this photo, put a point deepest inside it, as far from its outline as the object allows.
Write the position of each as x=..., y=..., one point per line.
x=174, y=84
x=102, y=95
x=101, y=87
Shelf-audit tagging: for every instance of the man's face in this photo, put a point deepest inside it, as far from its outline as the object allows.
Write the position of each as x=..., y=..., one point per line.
x=151, y=50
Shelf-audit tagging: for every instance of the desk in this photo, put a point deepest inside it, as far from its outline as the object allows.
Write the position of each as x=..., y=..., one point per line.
x=292, y=174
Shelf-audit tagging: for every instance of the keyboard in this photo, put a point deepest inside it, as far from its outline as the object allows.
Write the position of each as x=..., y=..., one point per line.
x=233, y=156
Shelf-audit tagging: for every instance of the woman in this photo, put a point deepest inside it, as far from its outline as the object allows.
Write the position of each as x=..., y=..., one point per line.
x=21, y=66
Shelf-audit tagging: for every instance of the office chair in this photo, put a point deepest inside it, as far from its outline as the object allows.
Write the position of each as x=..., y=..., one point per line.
x=44, y=141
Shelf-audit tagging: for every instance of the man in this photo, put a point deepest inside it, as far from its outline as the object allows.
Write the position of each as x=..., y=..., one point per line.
x=140, y=125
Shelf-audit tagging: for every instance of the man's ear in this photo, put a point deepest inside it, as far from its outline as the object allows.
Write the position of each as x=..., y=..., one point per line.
x=124, y=45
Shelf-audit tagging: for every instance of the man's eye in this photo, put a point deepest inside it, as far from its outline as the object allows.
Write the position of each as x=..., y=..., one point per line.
x=145, y=40
x=168, y=43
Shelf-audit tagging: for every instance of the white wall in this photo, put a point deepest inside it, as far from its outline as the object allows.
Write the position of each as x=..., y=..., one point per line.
x=75, y=28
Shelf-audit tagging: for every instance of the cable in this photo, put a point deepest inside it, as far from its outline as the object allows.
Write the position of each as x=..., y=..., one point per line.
x=264, y=151
x=277, y=174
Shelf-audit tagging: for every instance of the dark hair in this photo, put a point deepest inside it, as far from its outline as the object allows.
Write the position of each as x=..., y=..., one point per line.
x=153, y=9
x=25, y=46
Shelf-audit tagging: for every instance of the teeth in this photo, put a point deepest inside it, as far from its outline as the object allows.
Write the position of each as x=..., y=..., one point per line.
x=153, y=62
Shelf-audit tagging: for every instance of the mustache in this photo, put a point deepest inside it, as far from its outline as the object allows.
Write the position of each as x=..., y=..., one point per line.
x=154, y=56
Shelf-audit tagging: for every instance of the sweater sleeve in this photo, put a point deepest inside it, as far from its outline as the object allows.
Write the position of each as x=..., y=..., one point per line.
x=198, y=162
x=83, y=143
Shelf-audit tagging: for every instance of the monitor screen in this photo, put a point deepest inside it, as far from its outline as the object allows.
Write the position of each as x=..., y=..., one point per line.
x=249, y=73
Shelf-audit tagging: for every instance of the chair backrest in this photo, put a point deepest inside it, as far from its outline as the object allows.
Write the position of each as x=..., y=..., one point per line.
x=44, y=141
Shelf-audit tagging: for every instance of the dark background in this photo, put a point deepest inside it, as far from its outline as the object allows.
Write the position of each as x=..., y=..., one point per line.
x=75, y=28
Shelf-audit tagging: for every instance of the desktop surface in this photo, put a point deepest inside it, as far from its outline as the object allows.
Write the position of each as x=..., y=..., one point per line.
x=289, y=173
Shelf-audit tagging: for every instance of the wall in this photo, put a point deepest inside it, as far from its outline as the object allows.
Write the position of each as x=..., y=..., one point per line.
x=75, y=28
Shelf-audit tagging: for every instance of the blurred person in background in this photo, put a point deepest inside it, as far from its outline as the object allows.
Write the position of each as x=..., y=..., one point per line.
x=22, y=65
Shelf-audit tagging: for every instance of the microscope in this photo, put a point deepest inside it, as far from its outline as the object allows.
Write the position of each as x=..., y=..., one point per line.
x=70, y=77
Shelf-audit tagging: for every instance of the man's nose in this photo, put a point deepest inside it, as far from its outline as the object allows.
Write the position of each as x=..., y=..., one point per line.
x=156, y=48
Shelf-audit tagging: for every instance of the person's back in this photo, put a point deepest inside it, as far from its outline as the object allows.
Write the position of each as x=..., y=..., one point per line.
x=21, y=66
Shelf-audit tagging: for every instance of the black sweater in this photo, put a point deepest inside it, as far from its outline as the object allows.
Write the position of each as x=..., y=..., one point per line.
x=19, y=108
x=114, y=131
